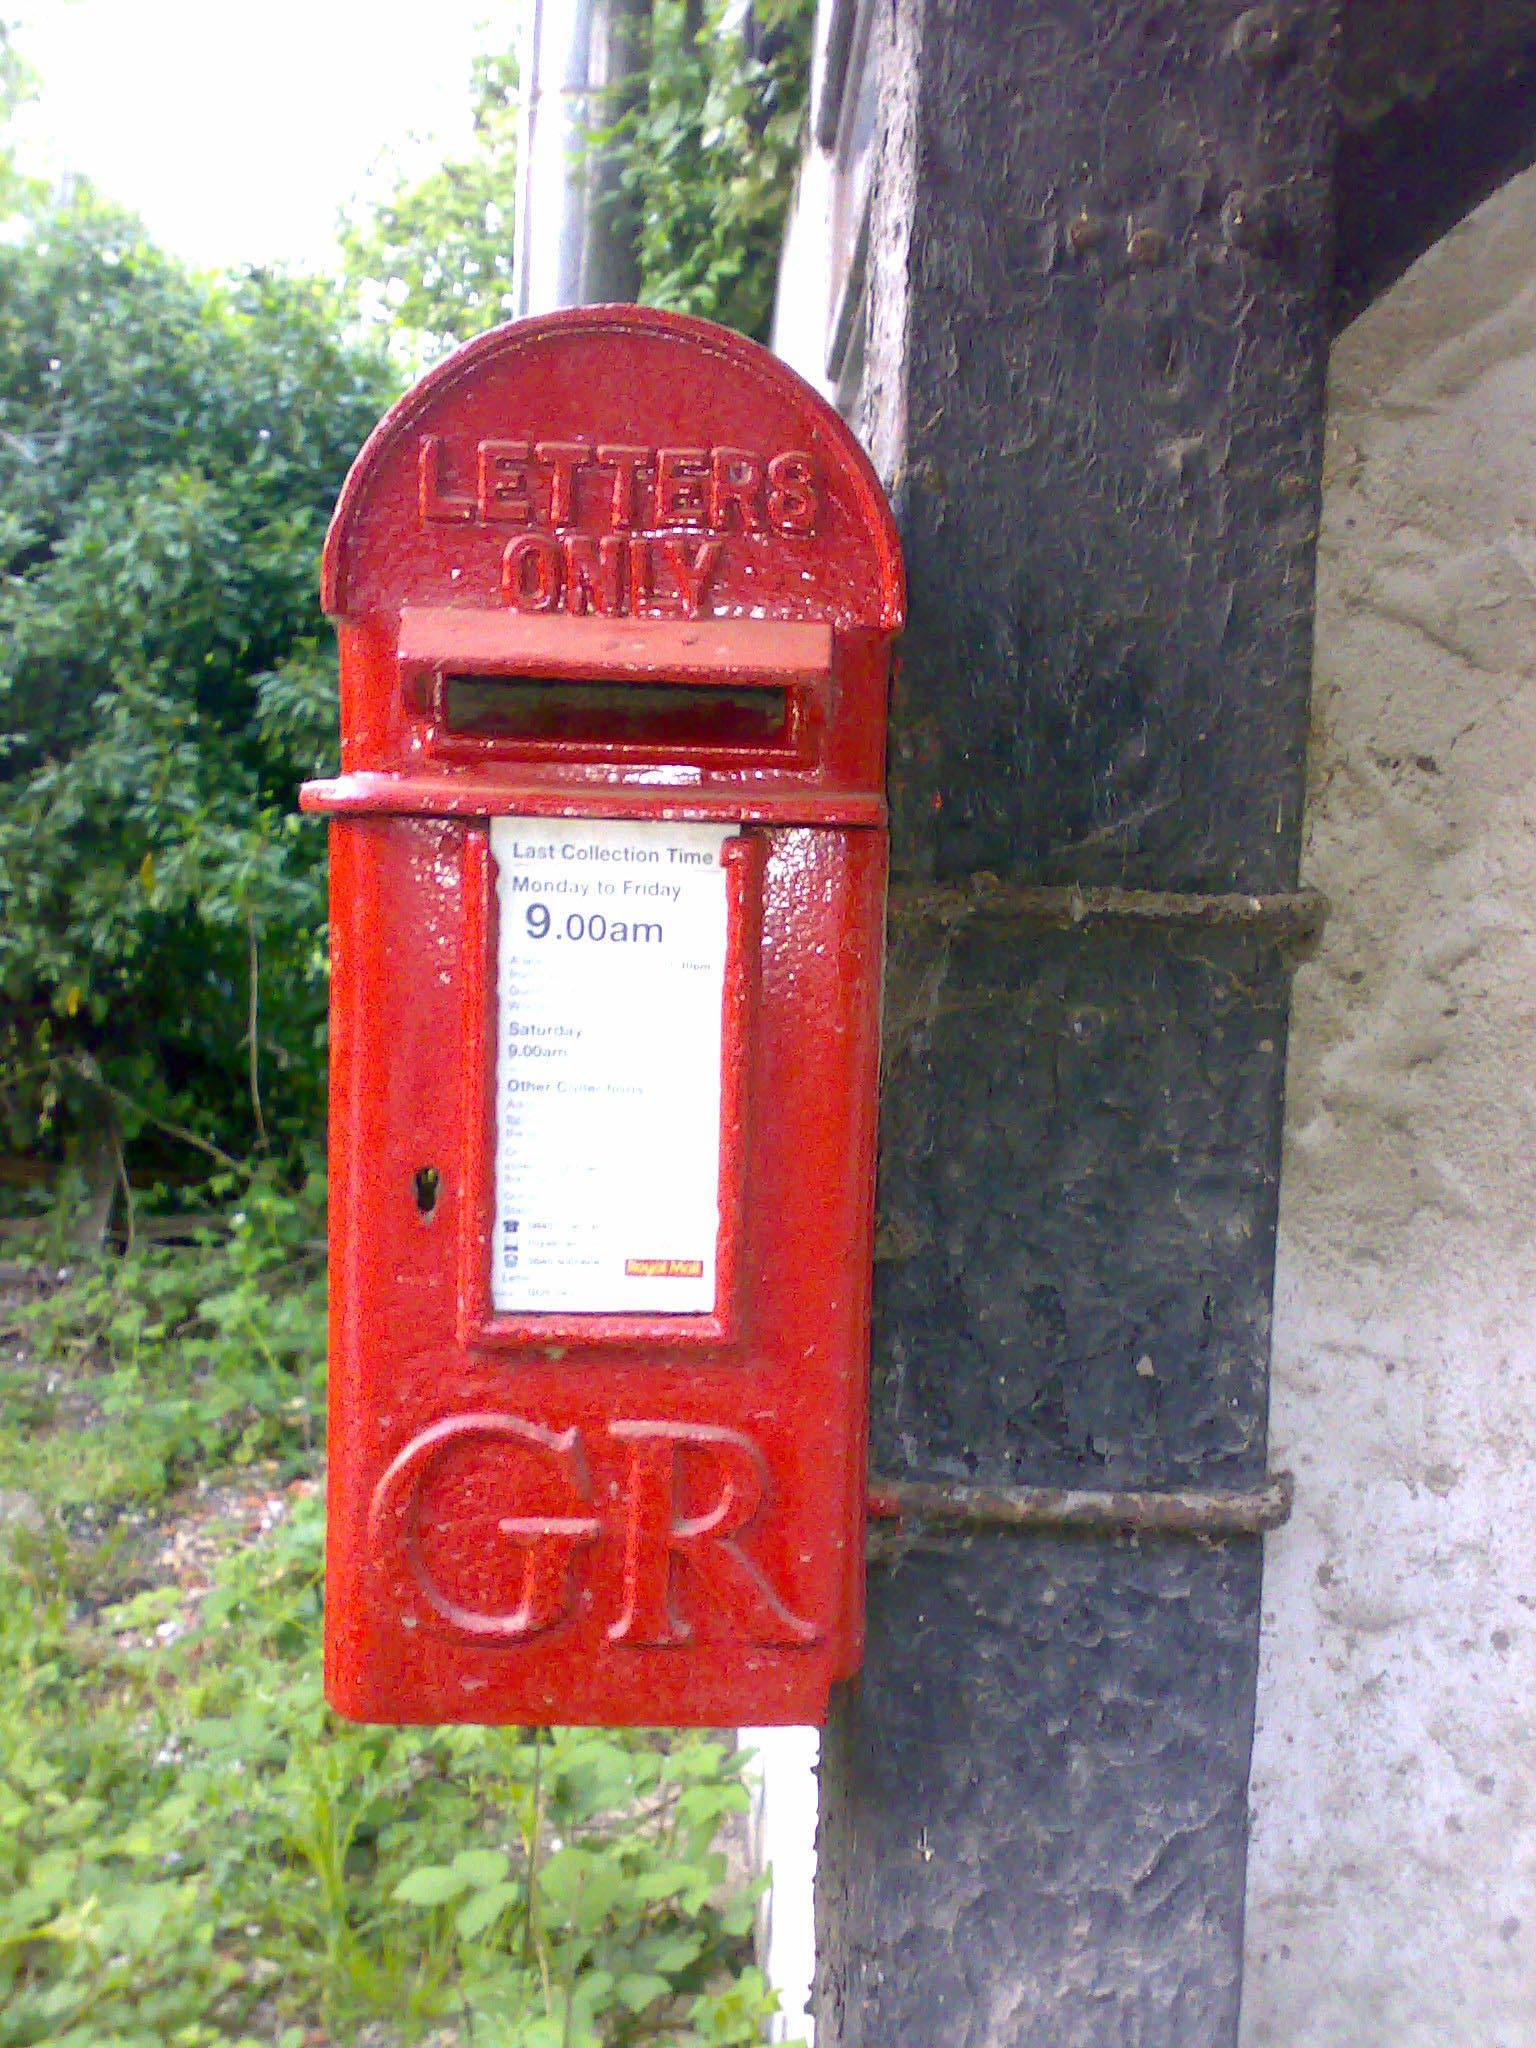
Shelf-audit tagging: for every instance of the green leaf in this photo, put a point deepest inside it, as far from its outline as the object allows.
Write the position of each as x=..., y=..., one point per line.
x=665, y=1882
x=482, y=1866
x=562, y=1875
x=434, y=1884
x=640, y=1988
x=675, y=1953
x=485, y=1907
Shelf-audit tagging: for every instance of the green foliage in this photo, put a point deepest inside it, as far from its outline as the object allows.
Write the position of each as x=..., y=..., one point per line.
x=15, y=81
x=434, y=254
x=706, y=155
x=169, y=452
x=17, y=86
x=188, y=1358
x=710, y=159
x=193, y=1851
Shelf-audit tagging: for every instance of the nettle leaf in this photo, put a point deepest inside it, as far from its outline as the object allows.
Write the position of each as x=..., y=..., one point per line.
x=637, y=1989
x=484, y=1909
x=556, y=2032
x=482, y=1866
x=434, y=1884
x=592, y=1993
x=592, y=1771
x=675, y=1953
x=562, y=1875
x=603, y=1885
x=665, y=1883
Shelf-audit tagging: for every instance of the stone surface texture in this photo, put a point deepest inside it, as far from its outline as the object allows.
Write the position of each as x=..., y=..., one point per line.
x=1392, y=1875
x=1098, y=273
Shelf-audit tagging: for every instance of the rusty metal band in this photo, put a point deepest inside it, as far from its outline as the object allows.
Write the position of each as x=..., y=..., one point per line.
x=1292, y=918
x=931, y=1505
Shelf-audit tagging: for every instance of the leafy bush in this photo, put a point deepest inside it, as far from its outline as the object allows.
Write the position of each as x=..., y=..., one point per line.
x=170, y=449
x=706, y=155
x=432, y=256
x=169, y=453
x=710, y=157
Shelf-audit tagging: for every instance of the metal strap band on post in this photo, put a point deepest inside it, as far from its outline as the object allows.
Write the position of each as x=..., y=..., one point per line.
x=1182, y=1511
x=1292, y=918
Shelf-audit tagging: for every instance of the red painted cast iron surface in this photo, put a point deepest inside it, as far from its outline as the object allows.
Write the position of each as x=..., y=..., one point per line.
x=650, y=1517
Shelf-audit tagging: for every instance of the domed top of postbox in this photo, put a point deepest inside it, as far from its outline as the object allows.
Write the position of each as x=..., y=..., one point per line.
x=609, y=551
x=617, y=462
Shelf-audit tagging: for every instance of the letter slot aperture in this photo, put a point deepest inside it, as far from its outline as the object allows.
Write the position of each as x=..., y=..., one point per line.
x=666, y=717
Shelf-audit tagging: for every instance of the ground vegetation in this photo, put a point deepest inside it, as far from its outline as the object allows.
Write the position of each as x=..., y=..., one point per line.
x=193, y=1851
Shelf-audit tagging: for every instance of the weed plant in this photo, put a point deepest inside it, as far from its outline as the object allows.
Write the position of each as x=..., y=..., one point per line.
x=193, y=1850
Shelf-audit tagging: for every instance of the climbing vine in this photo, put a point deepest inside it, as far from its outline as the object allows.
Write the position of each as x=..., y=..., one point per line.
x=710, y=157
x=705, y=155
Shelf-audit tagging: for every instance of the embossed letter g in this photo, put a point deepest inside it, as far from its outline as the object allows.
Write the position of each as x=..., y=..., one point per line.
x=547, y=1541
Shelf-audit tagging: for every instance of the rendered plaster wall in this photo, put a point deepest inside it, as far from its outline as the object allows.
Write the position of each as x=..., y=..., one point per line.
x=781, y=1772
x=1392, y=1872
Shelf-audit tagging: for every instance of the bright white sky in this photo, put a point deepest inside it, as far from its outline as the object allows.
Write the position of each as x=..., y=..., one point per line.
x=238, y=128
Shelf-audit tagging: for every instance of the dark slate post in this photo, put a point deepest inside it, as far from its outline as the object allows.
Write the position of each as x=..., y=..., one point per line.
x=1096, y=339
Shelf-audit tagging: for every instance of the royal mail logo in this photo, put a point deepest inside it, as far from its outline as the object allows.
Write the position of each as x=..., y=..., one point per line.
x=663, y=1269
x=494, y=1523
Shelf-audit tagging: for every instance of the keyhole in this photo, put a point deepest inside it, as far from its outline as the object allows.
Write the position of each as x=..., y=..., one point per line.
x=428, y=1182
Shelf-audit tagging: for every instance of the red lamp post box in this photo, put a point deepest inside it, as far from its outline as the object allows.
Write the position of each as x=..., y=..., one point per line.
x=615, y=594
